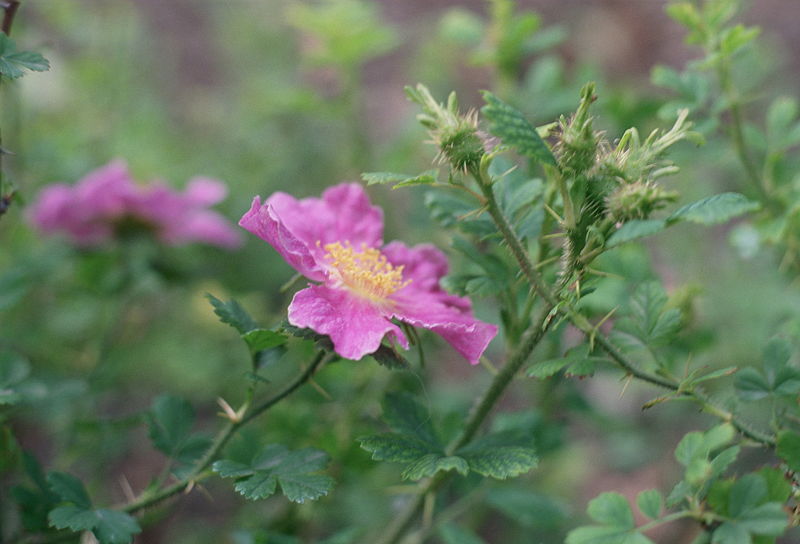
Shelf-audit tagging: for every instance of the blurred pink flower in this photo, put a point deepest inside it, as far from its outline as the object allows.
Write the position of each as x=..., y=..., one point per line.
x=336, y=241
x=106, y=201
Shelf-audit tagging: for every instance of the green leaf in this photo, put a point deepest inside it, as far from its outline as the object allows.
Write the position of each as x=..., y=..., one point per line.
x=499, y=462
x=778, y=488
x=650, y=503
x=736, y=37
x=112, y=527
x=714, y=209
x=390, y=358
x=648, y=318
x=400, y=180
x=767, y=519
x=511, y=126
x=13, y=62
x=170, y=422
x=108, y=526
x=731, y=533
x=451, y=533
x=594, y=534
x=750, y=384
x=72, y=517
x=394, y=447
x=276, y=465
x=431, y=463
x=231, y=313
x=545, y=369
x=789, y=449
x=635, y=229
x=405, y=415
x=612, y=509
x=746, y=493
x=261, y=339
x=69, y=488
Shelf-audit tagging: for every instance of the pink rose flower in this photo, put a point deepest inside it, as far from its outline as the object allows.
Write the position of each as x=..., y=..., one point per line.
x=336, y=240
x=93, y=211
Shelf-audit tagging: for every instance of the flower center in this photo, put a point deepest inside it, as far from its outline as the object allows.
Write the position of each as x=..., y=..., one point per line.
x=365, y=272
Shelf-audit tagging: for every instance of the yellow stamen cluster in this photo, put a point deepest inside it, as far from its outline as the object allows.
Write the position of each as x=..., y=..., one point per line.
x=365, y=272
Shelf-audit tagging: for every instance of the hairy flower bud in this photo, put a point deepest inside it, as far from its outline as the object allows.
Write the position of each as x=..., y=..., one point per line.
x=577, y=149
x=637, y=200
x=461, y=146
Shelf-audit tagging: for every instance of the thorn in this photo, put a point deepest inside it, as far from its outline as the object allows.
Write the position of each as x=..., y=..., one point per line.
x=320, y=389
x=628, y=380
x=230, y=413
x=127, y=490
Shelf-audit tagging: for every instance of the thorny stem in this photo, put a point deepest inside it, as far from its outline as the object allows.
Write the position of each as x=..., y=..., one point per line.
x=594, y=336
x=198, y=471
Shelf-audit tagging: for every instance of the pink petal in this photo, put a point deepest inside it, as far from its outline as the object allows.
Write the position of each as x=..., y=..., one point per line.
x=425, y=265
x=355, y=326
x=263, y=221
x=299, y=229
x=467, y=335
x=105, y=191
x=202, y=226
x=205, y=192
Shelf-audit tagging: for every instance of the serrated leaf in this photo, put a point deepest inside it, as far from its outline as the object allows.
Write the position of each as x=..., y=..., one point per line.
x=112, y=527
x=500, y=462
x=545, y=369
x=405, y=415
x=635, y=229
x=261, y=339
x=650, y=503
x=395, y=447
x=400, y=180
x=300, y=488
x=431, y=463
x=13, y=62
x=71, y=517
x=714, y=209
x=275, y=464
x=736, y=37
x=612, y=509
x=390, y=358
x=508, y=124
x=258, y=486
x=69, y=488
x=170, y=422
x=232, y=313
x=788, y=449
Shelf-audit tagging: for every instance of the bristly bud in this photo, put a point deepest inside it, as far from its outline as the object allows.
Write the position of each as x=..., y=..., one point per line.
x=456, y=135
x=577, y=148
x=637, y=200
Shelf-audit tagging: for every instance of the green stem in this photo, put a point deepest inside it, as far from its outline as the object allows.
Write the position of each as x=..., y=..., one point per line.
x=583, y=324
x=149, y=499
x=737, y=131
x=397, y=528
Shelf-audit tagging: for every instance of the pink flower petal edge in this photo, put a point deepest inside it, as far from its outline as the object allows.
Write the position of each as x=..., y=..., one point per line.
x=89, y=211
x=360, y=294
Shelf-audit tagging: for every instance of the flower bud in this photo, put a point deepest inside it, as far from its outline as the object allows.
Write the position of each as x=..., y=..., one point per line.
x=637, y=200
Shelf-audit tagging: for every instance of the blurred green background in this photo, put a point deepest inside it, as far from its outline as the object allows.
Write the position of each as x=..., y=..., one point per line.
x=295, y=96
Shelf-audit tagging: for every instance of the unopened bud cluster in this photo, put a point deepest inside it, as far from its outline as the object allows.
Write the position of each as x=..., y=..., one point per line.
x=637, y=200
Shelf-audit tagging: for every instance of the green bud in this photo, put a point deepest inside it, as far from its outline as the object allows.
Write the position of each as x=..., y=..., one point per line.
x=461, y=147
x=577, y=150
x=637, y=200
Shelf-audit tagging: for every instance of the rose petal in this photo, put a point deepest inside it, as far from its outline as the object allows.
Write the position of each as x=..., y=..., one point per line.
x=469, y=336
x=424, y=265
x=355, y=325
x=205, y=191
x=263, y=221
